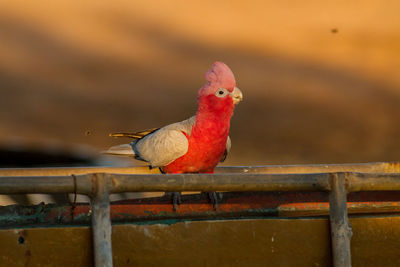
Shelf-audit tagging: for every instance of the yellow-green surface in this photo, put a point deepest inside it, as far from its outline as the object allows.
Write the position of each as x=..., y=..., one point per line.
x=269, y=242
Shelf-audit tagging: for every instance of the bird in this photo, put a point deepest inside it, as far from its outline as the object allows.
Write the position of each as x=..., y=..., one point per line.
x=197, y=144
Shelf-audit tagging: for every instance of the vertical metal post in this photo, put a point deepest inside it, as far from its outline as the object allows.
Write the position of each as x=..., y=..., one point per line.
x=101, y=222
x=340, y=227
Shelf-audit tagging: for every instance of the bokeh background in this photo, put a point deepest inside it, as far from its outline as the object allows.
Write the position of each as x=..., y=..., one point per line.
x=321, y=79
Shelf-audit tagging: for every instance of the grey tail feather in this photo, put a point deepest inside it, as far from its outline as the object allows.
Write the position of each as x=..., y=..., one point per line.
x=120, y=150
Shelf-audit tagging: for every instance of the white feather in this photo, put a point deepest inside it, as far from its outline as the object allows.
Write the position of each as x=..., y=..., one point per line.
x=162, y=146
x=120, y=150
x=165, y=145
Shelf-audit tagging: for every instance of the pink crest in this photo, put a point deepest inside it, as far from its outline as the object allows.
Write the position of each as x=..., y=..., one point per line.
x=221, y=76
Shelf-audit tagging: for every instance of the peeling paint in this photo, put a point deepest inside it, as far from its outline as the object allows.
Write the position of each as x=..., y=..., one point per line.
x=234, y=206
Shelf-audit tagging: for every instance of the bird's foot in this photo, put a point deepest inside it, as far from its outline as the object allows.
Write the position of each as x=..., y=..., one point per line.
x=176, y=199
x=213, y=196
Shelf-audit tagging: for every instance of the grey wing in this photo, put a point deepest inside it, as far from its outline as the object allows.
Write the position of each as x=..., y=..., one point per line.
x=158, y=146
x=161, y=147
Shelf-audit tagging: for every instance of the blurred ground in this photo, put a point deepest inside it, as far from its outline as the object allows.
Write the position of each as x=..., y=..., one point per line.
x=320, y=80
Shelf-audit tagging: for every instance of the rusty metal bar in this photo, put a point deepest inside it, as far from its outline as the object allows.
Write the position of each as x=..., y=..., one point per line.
x=101, y=222
x=99, y=186
x=373, y=167
x=169, y=182
x=220, y=182
x=36, y=184
x=372, y=182
x=75, y=170
x=197, y=182
x=340, y=226
x=376, y=167
x=45, y=184
x=311, y=209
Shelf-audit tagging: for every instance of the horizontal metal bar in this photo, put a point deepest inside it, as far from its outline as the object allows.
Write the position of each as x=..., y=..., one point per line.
x=376, y=167
x=169, y=182
x=36, y=184
x=373, y=182
x=310, y=209
x=196, y=182
x=81, y=184
x=219, y=182
x=75, y=171
x=372, y=167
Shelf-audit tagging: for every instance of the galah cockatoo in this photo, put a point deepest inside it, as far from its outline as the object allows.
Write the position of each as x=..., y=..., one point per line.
x=195, y=145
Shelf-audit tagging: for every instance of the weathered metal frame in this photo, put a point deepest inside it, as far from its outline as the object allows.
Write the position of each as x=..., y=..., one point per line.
x=373, y=167
x=340, y=226
x=122, y=183
x=98, y=186
x=101, y=222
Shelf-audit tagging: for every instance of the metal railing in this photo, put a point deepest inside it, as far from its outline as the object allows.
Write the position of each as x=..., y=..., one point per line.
x=99, y=183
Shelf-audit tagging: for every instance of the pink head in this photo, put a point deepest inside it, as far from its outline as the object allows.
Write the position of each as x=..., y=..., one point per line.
x=219, y=76
x=221, y=84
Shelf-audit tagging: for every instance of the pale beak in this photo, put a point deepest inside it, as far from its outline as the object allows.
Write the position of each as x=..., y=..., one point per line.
x=237, y=95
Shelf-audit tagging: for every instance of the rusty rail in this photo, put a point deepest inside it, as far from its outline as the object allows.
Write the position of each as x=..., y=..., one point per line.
x=98, y=186
x=374, y=167
x=121, y=183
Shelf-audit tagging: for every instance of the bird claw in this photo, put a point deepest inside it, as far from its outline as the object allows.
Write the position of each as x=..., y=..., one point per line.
x=176, y=200
x=213, y=199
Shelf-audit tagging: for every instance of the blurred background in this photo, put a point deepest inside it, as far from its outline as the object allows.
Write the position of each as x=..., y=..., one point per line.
x=321, y=80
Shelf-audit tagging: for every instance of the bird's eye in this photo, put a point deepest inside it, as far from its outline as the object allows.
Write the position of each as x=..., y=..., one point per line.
x=221, y=92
